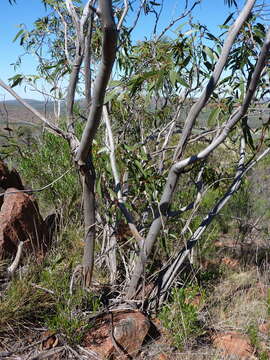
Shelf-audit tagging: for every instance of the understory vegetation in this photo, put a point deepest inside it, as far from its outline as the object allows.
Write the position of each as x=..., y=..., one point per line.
x=224, y=288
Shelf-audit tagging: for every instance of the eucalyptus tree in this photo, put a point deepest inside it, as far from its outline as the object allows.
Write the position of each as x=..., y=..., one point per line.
x=173, y=79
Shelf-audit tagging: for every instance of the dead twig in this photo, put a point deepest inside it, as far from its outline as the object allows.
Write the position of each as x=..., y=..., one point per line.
x=47, y=353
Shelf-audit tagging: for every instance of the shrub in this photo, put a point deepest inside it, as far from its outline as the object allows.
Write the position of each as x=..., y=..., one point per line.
x=180, y=316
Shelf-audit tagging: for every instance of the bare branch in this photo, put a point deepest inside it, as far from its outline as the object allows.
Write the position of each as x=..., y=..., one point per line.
x=65, y=35
x=119, y=25
x=87, y=63
x=85, y=15
x=198, y=106
x=36, y=190
x=73, y=14
x=137, y=16
x=173, y=22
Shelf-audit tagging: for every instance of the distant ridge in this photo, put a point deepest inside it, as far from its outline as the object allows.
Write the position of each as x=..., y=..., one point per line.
x=37, y=104
x=13, y=111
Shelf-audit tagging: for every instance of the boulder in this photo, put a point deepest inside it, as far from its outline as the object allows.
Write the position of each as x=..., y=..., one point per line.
x=118, y=334
x=20, y=220
x=233, y=343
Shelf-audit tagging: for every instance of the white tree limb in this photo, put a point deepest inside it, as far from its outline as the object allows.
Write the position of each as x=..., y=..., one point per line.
x=198, y=106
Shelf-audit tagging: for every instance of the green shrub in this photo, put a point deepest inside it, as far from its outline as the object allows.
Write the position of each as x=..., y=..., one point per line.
x=180, y=316
x=48, y=159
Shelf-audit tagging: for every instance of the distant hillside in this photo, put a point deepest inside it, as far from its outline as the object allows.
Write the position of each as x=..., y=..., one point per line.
x=11, y=111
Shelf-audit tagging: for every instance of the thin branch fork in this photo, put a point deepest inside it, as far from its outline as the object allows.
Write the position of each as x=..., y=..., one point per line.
x=75, y=19
x=80, y=42
x=65, y=35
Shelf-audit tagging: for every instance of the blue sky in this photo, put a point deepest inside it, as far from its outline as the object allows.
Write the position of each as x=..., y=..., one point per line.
x=25, y=11
x=209, y=12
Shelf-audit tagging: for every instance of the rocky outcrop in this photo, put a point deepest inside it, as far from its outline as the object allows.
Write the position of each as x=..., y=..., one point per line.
x=118, y=335
x=20, y=220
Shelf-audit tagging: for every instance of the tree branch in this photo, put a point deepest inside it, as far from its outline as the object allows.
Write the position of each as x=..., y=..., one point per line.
x=198, y=106
x=83, y=155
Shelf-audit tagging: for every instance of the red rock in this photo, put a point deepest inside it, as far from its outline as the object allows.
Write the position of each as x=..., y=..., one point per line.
x=20, y=220
x=129, y=329
x=8, y=178
x=231, y=263
x=234, y=343
x=162, y=356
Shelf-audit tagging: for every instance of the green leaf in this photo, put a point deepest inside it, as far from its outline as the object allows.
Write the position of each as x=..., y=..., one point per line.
x=112, y=193
x=211, y=37
x=109, y=96
x=183, y=82
x=19, y=33
x=242, y=90
x=115, y=83
x=228, y=19
x=208, y=65
x=173, y=77
x=247, y=133
x=139, y=166
x=98, y=187
x=16, y=80
x=179, y=27
x=209, y=52
x=186, y=61
x=213, y=115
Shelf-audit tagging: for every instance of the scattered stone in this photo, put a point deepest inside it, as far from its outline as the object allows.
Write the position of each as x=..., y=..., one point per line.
x=50, y=340
x=234, y=343
x=20, y=220
x=162, y=356
x=118, y=334
x=265, y=327
x=231, y=263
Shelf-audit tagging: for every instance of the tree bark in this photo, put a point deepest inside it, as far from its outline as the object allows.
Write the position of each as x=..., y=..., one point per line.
x=83, y=156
